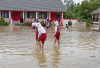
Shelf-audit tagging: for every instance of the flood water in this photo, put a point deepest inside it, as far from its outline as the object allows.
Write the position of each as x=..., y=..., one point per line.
x=79, y=48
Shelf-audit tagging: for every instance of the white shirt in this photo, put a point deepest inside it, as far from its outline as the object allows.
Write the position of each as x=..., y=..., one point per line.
x=34, y=24
x=55, y=29
x=40, y=30
x=56, y=23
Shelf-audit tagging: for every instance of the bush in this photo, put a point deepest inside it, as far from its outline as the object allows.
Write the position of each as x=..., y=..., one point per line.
x=27, y=23
x=42, y=22
x=88, y=22
x=70, y=23
x=6, y=23
x=3, y=22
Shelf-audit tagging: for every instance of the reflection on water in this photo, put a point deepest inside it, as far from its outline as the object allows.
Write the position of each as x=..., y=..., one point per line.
x=41, y=57
x=56, y=54
x=79, y=48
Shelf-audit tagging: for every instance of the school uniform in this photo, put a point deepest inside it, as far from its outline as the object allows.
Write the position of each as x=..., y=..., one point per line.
x=57, y=30
x=33, y=27
x=47, y=24
x=37, y=34
x=30, y=23
x=41, y=34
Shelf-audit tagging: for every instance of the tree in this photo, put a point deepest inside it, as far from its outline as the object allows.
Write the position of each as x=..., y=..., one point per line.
x=83, y=10
x=70, y=10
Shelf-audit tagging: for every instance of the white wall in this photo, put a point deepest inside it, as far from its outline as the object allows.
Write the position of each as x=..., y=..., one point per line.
x=6, y=19
x=65, y=21
x=33, y=19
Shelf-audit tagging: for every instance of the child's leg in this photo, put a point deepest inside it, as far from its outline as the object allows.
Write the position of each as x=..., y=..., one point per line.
x=42, y=45
x=39, y=42
x=58, y=42
x=55, y=41
x=43, y=40
x=36, y=42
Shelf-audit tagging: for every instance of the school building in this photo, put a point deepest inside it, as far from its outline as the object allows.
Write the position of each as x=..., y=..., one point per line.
x=22, y=10
x=96, y=16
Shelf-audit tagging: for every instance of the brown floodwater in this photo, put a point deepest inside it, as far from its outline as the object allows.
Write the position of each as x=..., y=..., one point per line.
x=79, y=48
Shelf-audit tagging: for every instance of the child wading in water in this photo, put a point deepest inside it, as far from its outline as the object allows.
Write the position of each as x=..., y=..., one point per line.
x=57, y=32
x=47, y=24
x=40, y=34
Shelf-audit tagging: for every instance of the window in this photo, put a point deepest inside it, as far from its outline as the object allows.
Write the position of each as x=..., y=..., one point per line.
x=94, y=17
x=58, y=16
x=31, y=15
x=42, y=15
x=5, y=14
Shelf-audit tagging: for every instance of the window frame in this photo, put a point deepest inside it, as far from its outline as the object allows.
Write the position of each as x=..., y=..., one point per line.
x=5, y=14
x=29, y=15
x=41, y=14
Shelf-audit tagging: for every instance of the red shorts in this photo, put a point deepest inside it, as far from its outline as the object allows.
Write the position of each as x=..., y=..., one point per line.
x=66, y=25
x=43, y=37
x=30, y=24
x=57, y=35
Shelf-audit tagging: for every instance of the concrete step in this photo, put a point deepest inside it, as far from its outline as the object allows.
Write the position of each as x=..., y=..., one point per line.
x=17, y=23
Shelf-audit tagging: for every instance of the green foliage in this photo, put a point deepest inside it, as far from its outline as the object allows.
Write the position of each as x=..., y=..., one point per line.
x=6, y=23
x=27, y=23
x=70, y=12
x=83, y=10
x=42, y=22
x=70, y=23
x=88, y=22
x=3, y=22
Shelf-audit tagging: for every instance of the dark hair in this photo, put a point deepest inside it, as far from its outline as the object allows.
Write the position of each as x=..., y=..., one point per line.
x=47, y=19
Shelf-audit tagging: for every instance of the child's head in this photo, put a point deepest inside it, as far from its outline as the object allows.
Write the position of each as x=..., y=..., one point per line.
x=47, y=19
x=34, y=19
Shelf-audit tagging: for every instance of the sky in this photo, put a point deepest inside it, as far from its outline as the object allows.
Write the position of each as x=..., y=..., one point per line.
x=78, y=1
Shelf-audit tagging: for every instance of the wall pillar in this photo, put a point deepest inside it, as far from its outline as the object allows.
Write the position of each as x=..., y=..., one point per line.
x=36, y=16
x=49, y=17
x=10, y=19
x=9, y=14
x=23, y=16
